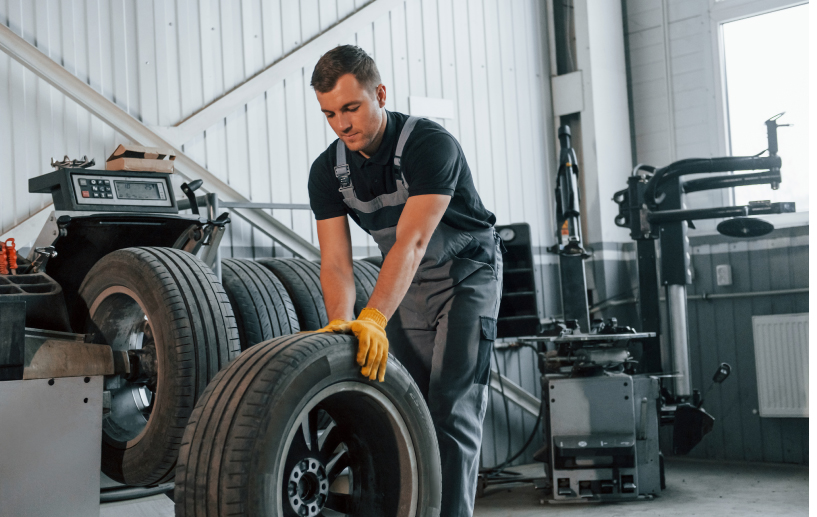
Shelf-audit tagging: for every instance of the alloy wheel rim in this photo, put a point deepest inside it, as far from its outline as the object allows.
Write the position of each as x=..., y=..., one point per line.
x=121, y=321
x=327, y=470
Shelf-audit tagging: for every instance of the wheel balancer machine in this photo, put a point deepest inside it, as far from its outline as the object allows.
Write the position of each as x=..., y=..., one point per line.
x=61, y=390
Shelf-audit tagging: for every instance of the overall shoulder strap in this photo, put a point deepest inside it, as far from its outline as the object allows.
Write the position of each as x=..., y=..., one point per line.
x=342, y=172
x=401, y=142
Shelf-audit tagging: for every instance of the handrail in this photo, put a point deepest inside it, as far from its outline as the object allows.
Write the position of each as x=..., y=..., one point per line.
x=80, y=92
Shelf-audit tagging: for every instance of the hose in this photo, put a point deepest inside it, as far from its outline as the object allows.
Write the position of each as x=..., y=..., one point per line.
x=497, y=470
x=126, y=493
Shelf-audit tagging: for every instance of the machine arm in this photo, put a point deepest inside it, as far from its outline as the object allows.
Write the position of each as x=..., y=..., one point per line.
x=654, y=197
x=731, y=180
x=756, y=208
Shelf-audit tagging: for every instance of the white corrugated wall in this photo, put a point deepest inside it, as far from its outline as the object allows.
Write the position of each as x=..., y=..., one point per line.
x=161, y=61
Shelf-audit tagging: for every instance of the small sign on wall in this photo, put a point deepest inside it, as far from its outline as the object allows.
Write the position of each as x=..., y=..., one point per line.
x=568, y=93
x=431, y=107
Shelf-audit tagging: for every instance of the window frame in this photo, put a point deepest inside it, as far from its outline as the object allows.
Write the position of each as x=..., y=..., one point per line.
x=721, y=12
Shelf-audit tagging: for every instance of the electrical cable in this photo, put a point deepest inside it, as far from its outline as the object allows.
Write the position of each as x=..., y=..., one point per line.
x=611, y=298
x=499, y=470
x=126, y=493
x=505, y=403
x=567, y=7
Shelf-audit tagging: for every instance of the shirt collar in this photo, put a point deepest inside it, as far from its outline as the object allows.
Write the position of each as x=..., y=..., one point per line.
x=386, y=149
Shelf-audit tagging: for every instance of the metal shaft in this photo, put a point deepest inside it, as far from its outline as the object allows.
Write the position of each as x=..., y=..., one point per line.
x=212, y=214
x=679, y=338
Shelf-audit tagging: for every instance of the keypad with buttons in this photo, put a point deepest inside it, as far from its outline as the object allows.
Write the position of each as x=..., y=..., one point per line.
x=100, y=191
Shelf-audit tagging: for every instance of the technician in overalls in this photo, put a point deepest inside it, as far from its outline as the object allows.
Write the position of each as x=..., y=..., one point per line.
x=406, y=182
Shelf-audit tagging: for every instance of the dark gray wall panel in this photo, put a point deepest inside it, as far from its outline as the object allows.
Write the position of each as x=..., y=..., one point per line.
x=721, y=331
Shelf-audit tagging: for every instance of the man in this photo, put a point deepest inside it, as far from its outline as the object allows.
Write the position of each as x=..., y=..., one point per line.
x=406, y=182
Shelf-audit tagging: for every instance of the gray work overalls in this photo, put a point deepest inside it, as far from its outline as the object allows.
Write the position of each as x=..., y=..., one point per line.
x=445, y=326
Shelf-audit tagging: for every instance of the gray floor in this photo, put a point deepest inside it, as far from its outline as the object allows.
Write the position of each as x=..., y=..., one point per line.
x=694, y=487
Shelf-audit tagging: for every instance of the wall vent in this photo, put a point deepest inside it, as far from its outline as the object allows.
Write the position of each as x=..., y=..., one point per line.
x=781, y=356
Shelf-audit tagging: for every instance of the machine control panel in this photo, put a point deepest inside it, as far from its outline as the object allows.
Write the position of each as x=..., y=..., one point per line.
x=135, y=191
x=107, y=191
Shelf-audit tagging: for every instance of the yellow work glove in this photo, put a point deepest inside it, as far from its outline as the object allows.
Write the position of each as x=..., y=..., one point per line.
x=370, y=330
x=373, y=346
x=339, y=326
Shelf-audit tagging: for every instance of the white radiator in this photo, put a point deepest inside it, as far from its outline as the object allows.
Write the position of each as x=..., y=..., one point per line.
x=781, y=355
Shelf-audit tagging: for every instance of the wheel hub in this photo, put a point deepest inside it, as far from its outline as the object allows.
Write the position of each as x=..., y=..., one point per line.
x=308, y=487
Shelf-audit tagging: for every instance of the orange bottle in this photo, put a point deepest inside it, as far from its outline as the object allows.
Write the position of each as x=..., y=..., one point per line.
x=11, y=253
x=4, y=270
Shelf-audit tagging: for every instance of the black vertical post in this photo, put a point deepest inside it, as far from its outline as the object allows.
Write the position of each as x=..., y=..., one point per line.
x=574, y=290
x=648, y=305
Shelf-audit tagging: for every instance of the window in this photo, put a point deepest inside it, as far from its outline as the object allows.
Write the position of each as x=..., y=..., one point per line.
x=766, y=64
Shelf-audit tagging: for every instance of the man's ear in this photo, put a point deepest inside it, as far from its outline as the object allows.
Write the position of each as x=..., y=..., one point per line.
x=381, y=95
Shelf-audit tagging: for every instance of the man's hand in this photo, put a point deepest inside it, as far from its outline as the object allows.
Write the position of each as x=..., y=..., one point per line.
x=373, y=345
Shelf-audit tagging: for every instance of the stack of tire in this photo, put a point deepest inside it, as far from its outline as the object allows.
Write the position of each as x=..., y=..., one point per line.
x=294, y=412
x=248, y=416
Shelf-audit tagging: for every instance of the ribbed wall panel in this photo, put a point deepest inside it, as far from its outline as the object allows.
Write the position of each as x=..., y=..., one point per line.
x=721, y=330
x=161, y=61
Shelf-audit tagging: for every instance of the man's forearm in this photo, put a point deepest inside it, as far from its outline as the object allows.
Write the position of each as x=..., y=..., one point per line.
x=338, y=292
x=395, y=276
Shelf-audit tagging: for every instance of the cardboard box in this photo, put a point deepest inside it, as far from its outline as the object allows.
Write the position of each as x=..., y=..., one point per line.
x=138, y=158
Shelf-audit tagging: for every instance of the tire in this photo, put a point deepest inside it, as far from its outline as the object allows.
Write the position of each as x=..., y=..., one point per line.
x=244, y=451
x=263, y=309
x=302, y=280
x=170, y=311
x=376, y=260
x=365, y=279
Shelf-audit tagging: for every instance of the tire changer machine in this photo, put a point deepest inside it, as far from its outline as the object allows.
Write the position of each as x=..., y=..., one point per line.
x=606, y=389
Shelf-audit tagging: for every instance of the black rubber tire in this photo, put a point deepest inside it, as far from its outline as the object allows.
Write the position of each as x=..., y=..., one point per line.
x=302, y=280
x=366, y=275
x=263, y=309
x=376, y=260
x=234, y=446
x=194, y=333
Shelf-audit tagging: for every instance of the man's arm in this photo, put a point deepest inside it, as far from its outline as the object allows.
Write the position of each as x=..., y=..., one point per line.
x=417, y=223
x=337, y=275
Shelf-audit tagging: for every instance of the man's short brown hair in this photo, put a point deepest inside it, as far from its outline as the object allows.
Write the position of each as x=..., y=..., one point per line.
x=342, y=60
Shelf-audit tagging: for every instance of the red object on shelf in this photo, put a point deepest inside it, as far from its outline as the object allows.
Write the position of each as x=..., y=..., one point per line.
x=11, y=253
x=4, y=270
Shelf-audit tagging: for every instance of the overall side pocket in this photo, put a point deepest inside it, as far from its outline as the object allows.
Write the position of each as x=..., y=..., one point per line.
x=486, y=343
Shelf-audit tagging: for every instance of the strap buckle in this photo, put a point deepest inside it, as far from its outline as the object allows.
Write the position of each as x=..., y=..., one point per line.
x=344, y=176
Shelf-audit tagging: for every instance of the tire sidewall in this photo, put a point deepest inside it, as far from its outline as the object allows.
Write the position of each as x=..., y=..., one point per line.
x=290, y=399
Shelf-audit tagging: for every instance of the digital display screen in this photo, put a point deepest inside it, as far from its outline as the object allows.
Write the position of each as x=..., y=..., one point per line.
x=137, y=190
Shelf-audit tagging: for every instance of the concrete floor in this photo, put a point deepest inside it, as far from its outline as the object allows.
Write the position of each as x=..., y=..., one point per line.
x=694, y=487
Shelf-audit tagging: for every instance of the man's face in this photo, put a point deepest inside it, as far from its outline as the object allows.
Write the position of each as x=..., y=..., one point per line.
x=355, y=113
